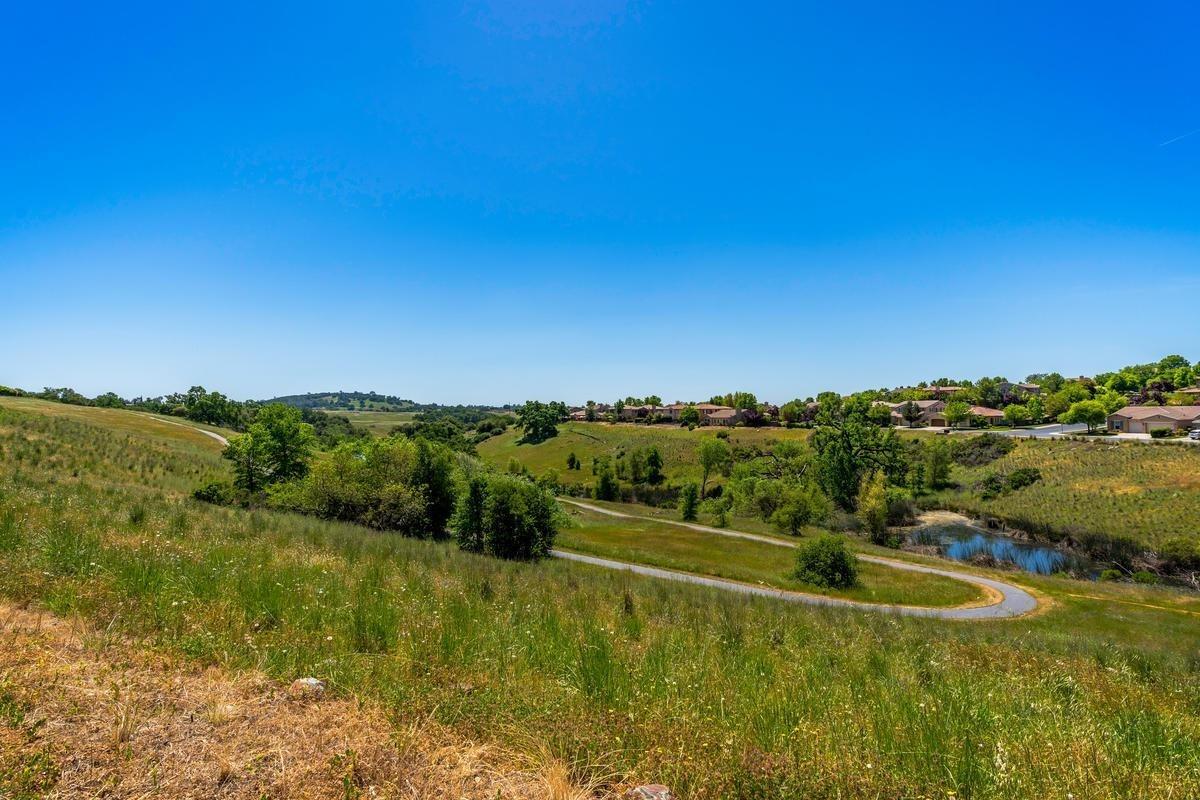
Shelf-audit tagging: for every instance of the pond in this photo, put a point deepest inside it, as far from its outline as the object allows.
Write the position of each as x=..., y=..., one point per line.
x=963, y=542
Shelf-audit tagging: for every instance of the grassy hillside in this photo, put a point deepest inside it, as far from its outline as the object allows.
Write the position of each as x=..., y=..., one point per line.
x=717, y=696
x=590, y=440
x=1148, y=492
x=378, y=423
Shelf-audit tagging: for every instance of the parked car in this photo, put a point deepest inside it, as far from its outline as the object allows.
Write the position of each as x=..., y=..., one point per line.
x=1195, y=434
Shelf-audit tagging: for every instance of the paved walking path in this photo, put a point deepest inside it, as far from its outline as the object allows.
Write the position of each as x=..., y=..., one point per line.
x=1013, y=601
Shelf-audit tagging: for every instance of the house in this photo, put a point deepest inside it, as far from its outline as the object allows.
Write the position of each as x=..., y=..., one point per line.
x=1194, y=391
x=725, y=416
x=930, y=410
x=708, y=409
x=992, y=416
x=942, y=392
x=579, y=415
x=1143, y=419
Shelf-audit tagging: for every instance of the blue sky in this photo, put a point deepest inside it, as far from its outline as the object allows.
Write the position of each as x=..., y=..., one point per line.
x=489, y=202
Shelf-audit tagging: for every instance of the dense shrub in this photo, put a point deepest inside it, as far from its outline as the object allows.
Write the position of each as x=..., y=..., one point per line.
x=1022, y=477
x=901, y=509
x=1111, y=575
x=506, y=517
x=826, y=561
x=388, y=484
x=800, y=505
x=1179, y=553
x=1161, y=433
x=607, y=487
x=219, y=493
x=1144, y=576
x=976, y=451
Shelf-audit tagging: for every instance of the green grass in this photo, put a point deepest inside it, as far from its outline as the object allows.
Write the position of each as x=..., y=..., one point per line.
x=1147, y=492
x=718, y=696
x=674, y=547
x=588, y=440
x=377, y=423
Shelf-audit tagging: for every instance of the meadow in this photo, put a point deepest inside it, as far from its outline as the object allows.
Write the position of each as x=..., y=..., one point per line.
x=588, y=440
x=1144, y=491
x=624, y=678
x=658, y=544
x=377, y=423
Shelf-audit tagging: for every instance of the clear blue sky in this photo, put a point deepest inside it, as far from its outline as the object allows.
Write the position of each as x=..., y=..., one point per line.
x=488, y=202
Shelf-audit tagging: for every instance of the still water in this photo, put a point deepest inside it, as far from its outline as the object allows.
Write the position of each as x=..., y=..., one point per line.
x=963, y=542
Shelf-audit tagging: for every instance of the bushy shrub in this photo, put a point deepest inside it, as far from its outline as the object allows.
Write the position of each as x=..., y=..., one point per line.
x=1144, y=576
x=1111, y=575
x=976, y=451
x=219, y=493
x=395, y=483
x=800, y=505
x=1022, y=477
x=901, y=509
x=1179, y=553
x=506, y=517
x=826, y=561
x=1161, y=433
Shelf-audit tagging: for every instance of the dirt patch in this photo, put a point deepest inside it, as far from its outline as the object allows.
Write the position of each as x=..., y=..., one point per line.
x=121, y=721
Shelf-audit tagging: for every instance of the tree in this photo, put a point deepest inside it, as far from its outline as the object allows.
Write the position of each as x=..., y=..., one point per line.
x=589, y=413
x=572, y=460
x=654, y=466
x=1017, y=414
x=653, y=400
x=539, y=420
x=937, y=462
x=880, y=414
x=519, y=519
x=848, y=446
x=607, y=487
x=690, y=416
x=287, y=441
x=714, y=456
x=826, y=562
x=800, y=505
x=911, y=413
x=1089, y=412
x=250, y=462
x=873, y=507
x=468, y=515
x=689, y=502
x=1036, y=408
x=956, y=413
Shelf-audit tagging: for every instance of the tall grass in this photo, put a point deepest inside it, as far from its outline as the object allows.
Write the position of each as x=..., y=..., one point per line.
x=717, y=696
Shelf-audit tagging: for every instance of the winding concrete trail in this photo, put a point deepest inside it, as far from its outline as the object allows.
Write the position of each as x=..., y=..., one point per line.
x=1013, y=601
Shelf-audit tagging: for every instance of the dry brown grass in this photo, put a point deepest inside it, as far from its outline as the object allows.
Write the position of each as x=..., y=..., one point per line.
x=124, y=721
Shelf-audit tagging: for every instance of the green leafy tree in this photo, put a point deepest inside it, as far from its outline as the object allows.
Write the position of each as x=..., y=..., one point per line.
x=539, y=420
x=799, y=506
x=251, y=465
x=287, y=441
x=1017, y=414
x=880, y=414
x=468, y=515
x=654, y=466
x=873, y=507
x=956, y=413
x=848, y=446
x=607, y=487
x=937, y=462
x=589, y=412
x=653, y=400
x=1036, y=408
x=911, y=412
x=715, y=456
x=690, y=416
x=1089, y=412
x=572, y=461
x=689, y=502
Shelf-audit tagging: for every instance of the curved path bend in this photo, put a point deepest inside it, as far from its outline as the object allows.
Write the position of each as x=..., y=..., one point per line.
x=1013, y=600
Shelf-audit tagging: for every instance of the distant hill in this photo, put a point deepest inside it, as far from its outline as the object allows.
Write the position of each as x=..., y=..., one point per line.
x=371, y=401
x=349, y=401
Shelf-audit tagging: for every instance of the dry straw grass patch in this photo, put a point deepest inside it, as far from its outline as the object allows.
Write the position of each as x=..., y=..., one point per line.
x=124, y=721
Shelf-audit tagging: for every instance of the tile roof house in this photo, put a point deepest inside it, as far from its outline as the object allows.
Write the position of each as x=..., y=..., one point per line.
x=724, y=416
x=1143, y=419
x=929, y=412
